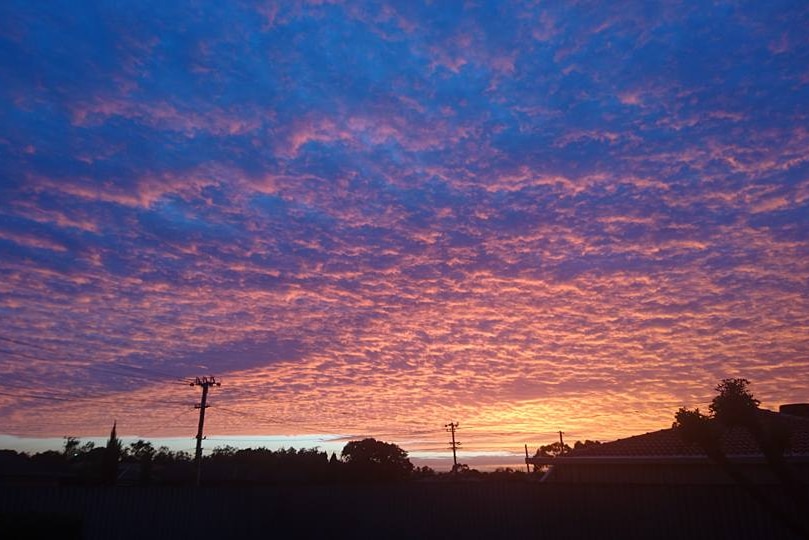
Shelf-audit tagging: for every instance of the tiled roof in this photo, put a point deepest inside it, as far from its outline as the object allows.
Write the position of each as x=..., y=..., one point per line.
x=735, y=441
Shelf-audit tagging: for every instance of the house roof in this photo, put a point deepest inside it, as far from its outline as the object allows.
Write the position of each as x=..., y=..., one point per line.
x=667, y=444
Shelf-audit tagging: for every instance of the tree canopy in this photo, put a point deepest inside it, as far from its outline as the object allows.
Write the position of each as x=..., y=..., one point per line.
x=733, y=407
x=552, y=450
x=373, y=460
x=733, y=404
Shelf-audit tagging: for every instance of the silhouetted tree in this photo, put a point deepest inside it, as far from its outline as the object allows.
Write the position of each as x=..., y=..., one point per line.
x=112, y=454
x=143, y=453
x=182, y=455
x=223, y=452
x=508, y=474
x=695, y=427
x=372, y=460
x=334, y=469
x=735, y=406
x=578, y=445
x=141, y=449
x=12, y=460
x=48, y=457
x=463, y=471
x=552, y=450
x=71, y=447
x=75, y=451
x=163, y=455
x=87, y=447
x=228, y=465
x=174, y=468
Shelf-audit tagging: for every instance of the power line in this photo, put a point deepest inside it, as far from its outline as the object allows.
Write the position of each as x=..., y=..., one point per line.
x=323, y=429
x=107, y=368
x=322, y=426
x=68, y=397
x=266, y=439
x=18, y=342
x=146, y=425
x=165, y=424
x=308, y=427
x=140, y=372
x=40, y=395
x=149, y=430
x=88, y=366
x=86, y=397
x=23, y=355
x=247, y=415
x=36, y=397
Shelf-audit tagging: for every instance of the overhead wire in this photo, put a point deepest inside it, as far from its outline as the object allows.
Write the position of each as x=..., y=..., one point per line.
x=143, y=373
x=244, y=414
x=168, y=422
x=228, y=411
x=37, y=393
x=107, y=368
x=18, y=342
x=321, y=429
x=312, y=427
x=270, y=438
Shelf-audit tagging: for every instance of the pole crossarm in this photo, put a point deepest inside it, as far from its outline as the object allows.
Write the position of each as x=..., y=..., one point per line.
x=454, y=445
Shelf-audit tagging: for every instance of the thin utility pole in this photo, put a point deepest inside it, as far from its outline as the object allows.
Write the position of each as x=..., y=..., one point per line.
x=561, y=443
x=527, y=467
x=451, y=427
x=205, y=383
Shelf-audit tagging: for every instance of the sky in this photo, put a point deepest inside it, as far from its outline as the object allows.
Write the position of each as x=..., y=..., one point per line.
x=370, y=219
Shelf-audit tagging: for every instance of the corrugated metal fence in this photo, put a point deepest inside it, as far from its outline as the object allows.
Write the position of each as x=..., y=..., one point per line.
x=419, y=510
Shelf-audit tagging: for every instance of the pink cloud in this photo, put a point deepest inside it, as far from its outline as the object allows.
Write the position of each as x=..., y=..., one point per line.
x=630, y=98
x=545, y=27
x=505, y=63
x=63, y=218
x=268, y=10
x=163, y=115
x=32, y=240
x=144, y=192
x=780, y=45
x=312, y=130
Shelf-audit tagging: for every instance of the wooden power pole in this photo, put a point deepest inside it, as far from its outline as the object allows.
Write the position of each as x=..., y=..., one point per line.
x=451, y=427
x=205, y=383
x=527, y=467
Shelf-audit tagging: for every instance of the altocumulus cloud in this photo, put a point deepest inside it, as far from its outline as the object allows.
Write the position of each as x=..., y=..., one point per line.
x=523, y=217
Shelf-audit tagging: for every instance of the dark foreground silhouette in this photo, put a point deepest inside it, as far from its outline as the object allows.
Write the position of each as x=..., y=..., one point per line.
x=442, y=510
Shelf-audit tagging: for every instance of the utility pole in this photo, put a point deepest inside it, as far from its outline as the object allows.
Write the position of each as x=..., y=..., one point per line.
x=451, y=427
x=561, y=443
x=527, y=467
x=205, y=383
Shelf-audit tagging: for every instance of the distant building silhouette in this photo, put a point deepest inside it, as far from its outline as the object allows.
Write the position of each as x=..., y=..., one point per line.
x=663, y=457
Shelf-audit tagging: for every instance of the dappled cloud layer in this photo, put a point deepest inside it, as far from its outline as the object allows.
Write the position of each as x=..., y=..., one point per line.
x=371, y=219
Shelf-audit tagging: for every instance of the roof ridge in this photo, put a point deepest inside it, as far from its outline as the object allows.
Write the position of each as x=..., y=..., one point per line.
x=735, y=441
